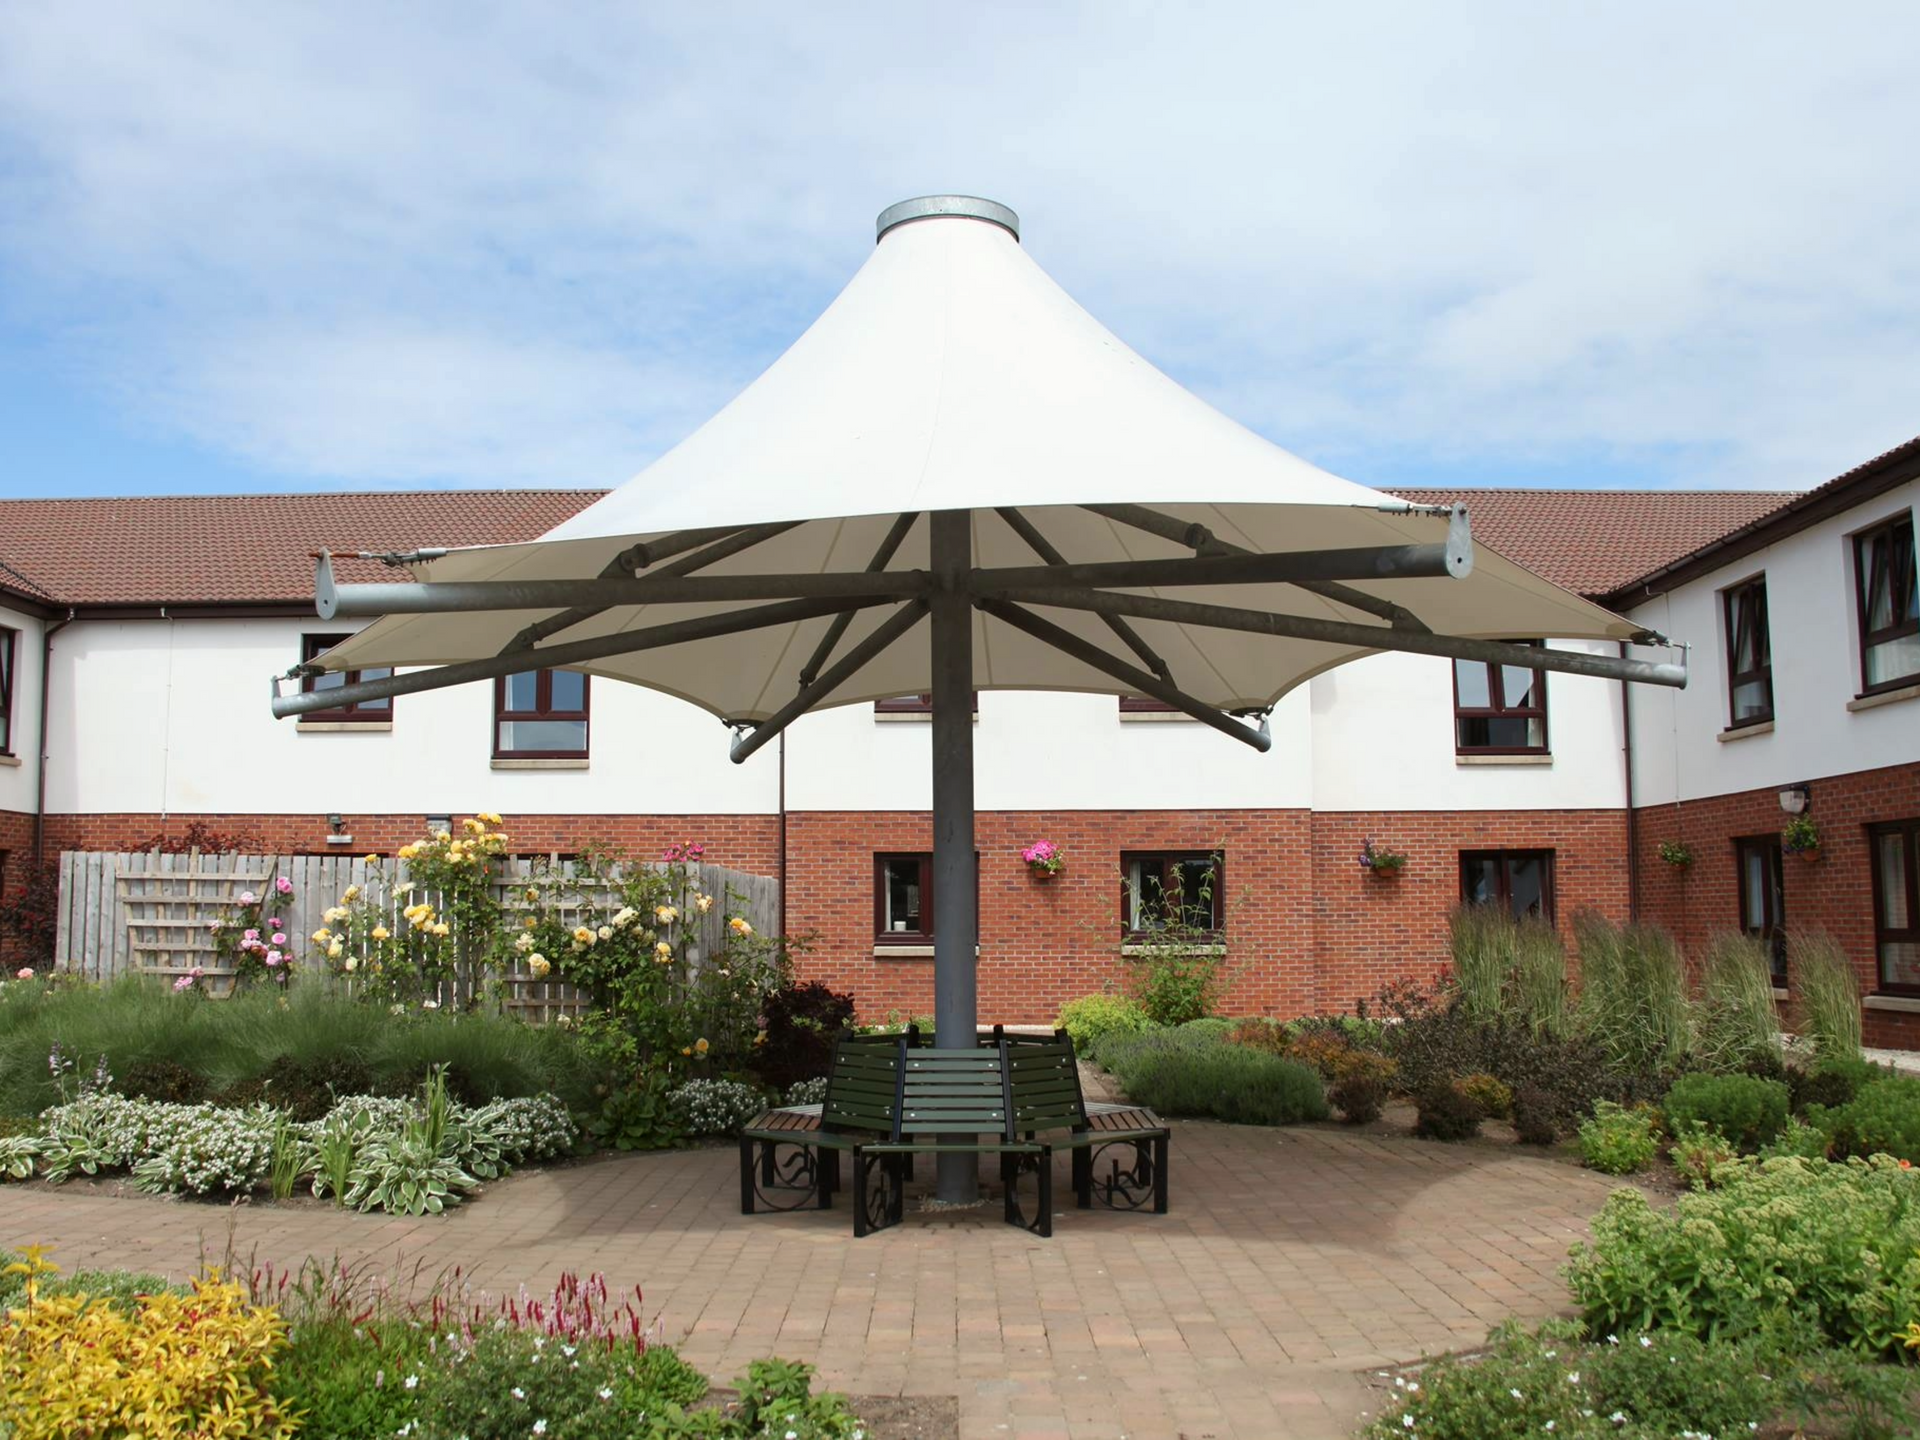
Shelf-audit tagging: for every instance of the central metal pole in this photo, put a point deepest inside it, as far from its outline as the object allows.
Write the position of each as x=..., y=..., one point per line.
x=956, y=929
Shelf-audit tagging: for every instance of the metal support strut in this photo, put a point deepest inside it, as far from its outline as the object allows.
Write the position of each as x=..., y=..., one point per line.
x=956, y=936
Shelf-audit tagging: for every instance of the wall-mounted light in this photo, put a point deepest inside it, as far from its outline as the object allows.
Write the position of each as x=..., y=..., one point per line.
x=1794, y=799
x=337, y=824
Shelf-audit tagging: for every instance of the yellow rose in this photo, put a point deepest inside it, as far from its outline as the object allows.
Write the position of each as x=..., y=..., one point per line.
x=380, y=932
x=353, y=964
x=538, y=965
x=703, y=904
x=472, y=826
x=686, y=1050
x=489, y=817
x=665, y=914
x=664, y=951
x=700, y=1046
x=530, y=923
x=442, y=929
x=442, y=836
x=336, y=950
x=322, y=936
x=582, y=935
x=739, y=926
x=350, y=894
x=371, y=858
x=761, y=1038
x=407, y=852
x=532, y=893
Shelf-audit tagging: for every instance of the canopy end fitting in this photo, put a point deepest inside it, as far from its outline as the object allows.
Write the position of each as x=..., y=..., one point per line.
x=326, y=593
x=1459, y=543
x=935, y=207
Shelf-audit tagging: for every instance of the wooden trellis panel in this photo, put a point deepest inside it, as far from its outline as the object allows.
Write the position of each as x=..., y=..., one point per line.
x=167, y=903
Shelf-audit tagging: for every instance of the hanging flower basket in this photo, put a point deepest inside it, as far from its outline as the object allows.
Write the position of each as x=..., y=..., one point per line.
x=1044, y=859
x=1381, y=861
x=1676, y=853
x=1801, y=836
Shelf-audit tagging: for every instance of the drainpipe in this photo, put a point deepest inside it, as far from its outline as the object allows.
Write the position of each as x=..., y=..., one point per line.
x=40, y=780
x=1633, y=827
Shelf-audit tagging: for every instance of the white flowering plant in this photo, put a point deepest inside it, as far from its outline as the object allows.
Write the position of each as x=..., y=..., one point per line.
x=716, y=1107
x=204, y=1150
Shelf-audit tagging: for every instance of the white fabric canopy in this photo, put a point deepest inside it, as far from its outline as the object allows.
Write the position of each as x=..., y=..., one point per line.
x=953, y=374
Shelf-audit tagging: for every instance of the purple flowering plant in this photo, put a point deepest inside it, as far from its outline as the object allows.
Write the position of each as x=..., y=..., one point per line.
x=1380, y=859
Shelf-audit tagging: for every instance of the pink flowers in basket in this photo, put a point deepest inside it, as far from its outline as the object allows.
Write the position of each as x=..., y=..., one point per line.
x=1043, y=857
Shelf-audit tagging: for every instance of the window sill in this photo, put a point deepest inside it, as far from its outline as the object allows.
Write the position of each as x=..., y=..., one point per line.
x=1503, y=759
x=1884, y=697
x=1780, y=992
x=1156, y=717
x=1741, y=732
x=1132, y=949
x=342, y=727
x=9, y=759
x=1909, y=1004
x=919, y=951
x=554, y=763
x=909, y=717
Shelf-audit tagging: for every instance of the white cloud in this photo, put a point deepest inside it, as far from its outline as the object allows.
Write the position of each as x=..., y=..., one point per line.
x=512, y=243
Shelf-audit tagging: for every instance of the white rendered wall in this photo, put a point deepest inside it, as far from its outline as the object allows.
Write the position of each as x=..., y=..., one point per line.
x=1811, y=611
x=171, y=717
x=1051, y=751
x=1383, y=739
x=18, y=781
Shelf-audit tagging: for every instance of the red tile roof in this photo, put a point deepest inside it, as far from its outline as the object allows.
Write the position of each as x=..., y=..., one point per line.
x=255, y=549
x=246, y=549
x=1595, y=541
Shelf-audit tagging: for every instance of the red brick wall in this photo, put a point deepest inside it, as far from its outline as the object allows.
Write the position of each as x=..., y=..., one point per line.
x=745, y=842
x=1372, y=929
x=1307, y=929
x=16, y=843
x=1833, y=892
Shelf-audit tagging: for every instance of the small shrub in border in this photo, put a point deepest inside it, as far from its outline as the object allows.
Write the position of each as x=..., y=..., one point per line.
x=1447, y=1113
x=808, y=1092
x=716, y=1107
x=1091, y=1018
x=1883, y=1119
x=1494, y=1099
x=1358, y=1098
x=1533, y=1117
x=1745, y=1110
x=1698, y=1150
x=1617, y=1141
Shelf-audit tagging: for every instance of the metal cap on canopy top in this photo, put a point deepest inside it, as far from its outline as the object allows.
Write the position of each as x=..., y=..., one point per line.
x=956, y=442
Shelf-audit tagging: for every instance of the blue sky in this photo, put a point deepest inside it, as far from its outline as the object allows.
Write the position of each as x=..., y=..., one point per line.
x=358, y=246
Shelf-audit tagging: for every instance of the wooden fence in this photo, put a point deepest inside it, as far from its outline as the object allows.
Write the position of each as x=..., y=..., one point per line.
x=151, y=913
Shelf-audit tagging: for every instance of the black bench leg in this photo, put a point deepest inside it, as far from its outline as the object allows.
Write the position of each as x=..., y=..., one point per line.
x=1011, y=1166
x=876, y=1208
x=1083, y=1177
x=1160, y=1148
x=1044, y=1229
x=827, y=1175
x=746, y=1176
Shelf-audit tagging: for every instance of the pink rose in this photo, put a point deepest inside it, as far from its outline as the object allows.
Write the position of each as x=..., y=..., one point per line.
x=283, y=885
x=248, y=936
x=185, y=982
x=273, y=957
x=279, y=939
x=25, y=972
x=247, y=897
x=274, y=923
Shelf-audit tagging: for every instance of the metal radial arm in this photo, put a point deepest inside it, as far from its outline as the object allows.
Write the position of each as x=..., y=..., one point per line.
x=812, y=692
x=1042, y=547
x=889, y=543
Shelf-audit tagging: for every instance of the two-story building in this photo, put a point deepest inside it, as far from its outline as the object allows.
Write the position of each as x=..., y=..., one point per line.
x=135, y=652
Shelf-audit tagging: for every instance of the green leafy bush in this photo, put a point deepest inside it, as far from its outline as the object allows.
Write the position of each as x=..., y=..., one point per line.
x=1617, y=1141
x=167, y=1081
x=1447, y=1113
x=1883, y=1118
x=1228, y=1082
x=1697, y=1151
x=1746, y=1111
x=1093, y=1017
x=1832, y=1246
x=1650, y=1386
x=1808, y=1142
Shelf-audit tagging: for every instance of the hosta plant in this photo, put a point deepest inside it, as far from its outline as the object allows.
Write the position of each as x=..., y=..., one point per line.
x=406, y=1174
x=19, y=1155
x=205, y=1151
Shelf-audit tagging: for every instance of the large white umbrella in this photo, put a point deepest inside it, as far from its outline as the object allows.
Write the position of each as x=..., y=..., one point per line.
x=955, y=440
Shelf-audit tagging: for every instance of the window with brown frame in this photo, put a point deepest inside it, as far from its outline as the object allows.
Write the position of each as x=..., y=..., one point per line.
x=914, y=705
x=1499, y=709
x=1749, y=654
x=1896, y=904
x=1147, y=705
x=364, y=712
x=1519, y=881
x=1889, y=600
x=903, y=899
x=540, y=715
x=1165, y=890
x=1763, y=905
x=7, y=639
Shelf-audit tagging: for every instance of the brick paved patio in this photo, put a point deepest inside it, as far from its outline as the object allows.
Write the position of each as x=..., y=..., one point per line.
x=1293, y=1260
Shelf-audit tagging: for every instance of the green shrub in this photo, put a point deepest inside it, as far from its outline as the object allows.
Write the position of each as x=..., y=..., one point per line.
x=1358, y=1098
x=1229, y=1082
x=346, y=1379
x=1175, y=982
x=1828, y=990
x=1092, y=1017
x=1808, y=1142
x=1447, y=1113
x=1617, y=1141
x=1746, y=1111
x=1633, y=992
x=1832, y=1246
x=165, y=1080
x=1494, y=1099
x=1697, y=1150
x=1884, y=1118
x=1736, y=1022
